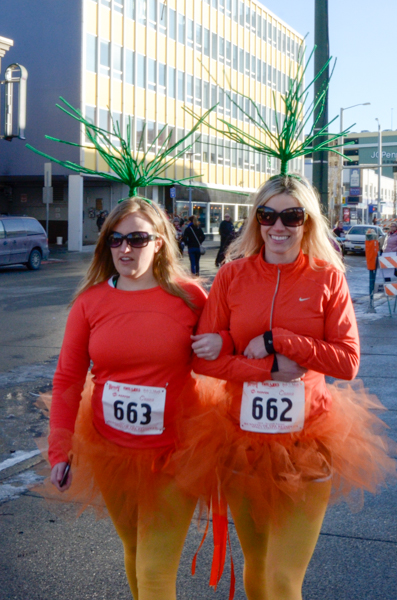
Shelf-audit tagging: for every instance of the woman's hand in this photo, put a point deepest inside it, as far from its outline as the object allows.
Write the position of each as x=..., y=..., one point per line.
x=256, y=348
x=57, y=472
x=288, y=370
x=207, y=345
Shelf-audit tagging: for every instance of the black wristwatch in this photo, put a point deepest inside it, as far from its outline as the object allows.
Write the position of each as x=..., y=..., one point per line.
x=268, y=339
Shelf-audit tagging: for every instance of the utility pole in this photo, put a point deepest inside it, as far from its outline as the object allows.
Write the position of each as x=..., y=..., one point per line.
x=321, y=55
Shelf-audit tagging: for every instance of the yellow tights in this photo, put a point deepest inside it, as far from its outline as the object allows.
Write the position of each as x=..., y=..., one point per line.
x=153, y=542
x=276, y=559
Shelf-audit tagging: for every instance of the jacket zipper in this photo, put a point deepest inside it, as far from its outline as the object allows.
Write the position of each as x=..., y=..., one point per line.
x=274, y=299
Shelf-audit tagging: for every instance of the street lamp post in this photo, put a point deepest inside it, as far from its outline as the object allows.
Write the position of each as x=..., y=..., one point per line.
x=341, y=149
x=190, y=155
x=379, y=164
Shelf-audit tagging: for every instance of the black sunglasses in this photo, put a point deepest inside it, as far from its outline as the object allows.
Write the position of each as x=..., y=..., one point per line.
x=135, y=239
x=290, y=217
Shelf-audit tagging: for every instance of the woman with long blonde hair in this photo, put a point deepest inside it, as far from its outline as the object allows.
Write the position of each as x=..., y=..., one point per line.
x=287, y=440
x=132, y=319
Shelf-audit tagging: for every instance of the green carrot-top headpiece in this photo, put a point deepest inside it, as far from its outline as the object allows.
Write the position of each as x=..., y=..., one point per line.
x=133, y=168
x=288, y=140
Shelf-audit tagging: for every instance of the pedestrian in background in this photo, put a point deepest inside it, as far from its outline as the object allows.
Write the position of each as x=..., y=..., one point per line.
x=391, y=242
x=226, y=231
x=193, y=237
x=100, y=220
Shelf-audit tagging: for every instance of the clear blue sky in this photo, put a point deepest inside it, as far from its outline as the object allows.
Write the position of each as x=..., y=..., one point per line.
x=362, y=36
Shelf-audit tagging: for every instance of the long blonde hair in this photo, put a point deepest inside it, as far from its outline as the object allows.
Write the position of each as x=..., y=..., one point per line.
x=166, y=266
x=316, y=242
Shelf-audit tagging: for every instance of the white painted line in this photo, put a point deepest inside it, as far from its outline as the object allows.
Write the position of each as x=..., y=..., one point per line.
x=18, y=457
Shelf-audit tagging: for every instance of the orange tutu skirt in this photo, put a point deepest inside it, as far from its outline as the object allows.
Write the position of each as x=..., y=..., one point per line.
x=102, y=470
x=347, y=445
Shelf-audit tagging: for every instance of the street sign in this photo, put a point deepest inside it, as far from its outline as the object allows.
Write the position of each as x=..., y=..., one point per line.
x=47, y=175
x=47, y=195
x=172, y=192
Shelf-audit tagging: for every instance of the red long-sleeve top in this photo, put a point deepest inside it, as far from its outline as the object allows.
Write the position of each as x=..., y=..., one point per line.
x=309, y=312
x=132, y=337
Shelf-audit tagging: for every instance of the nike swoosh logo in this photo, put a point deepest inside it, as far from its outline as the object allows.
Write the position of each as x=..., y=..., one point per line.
x=303, y=299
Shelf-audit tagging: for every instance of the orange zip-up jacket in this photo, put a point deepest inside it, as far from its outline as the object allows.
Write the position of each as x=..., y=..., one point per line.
x=309, y=311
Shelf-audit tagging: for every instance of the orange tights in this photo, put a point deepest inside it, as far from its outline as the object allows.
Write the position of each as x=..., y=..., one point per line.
x=153, y=541
x=276, y=559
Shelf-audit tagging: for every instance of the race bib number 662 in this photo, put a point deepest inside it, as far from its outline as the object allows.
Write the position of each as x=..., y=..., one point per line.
x=273, y=407
x=134, y=409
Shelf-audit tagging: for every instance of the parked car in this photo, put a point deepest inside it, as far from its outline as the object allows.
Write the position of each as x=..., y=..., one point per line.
x=22, y=241
x=355, y=238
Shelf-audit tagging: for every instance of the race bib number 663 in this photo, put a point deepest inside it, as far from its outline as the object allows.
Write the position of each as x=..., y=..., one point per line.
x=134, y=409
x=273, y=407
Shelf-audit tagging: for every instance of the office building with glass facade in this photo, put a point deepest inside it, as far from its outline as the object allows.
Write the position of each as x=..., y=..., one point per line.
x=140, y=63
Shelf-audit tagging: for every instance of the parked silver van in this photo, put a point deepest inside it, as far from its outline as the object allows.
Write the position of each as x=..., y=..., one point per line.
x=22, y=241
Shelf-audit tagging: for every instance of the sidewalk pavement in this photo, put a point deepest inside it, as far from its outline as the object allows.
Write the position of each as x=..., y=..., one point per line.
x=46, y=554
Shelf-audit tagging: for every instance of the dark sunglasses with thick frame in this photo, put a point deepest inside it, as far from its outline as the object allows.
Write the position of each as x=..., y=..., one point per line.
x=290, y=217
x=135, y=239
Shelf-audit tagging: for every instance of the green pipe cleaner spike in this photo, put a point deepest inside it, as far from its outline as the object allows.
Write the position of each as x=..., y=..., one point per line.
x=288, y=141
x=132, y=169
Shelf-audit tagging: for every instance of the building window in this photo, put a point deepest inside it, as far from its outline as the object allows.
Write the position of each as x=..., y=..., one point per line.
x=117, y=126
x=221, y=101
x=199, y=37
x=228, y=104
x=229, y=8
x=162, y=134
x=152, y=14
x=151, y=134
x=214, y=94
x=152, y=79
x=235, y=57
x=269, y=33
x=162, y=78
x=181, y=28
x=213, y=150
x=220, y=150
x=181, y=86
x=206, y=42
x=274, y=36
x=162, y=18
x=253, y=21
x=235, y=11
x=234, y=106
x=118, y=6
x=214, y=48
x=241, y=61
x=140, y=137
x=171, y=82
x=253, y=66
x=189, y=88
x=117, y=62
x=247, y=64
x=222, y=6
x=269, y=76
x=279, y=81
x=241, y=13
x=204, y=144
x=90, y=117
x=284, y=42
x=141, y=71
x=221, y=42
x=214, y=3
x=288, y=45
x=259, y=26
x=206, y=94
x=258, y=69
x=130, y=9
x=141, y=5
x=104, y=119
x=129, y=66
x=274, y=78
x=227, y=153
x=264, y=29
x=172, y=24
x=198, y=91
x=228, y=53
x=106, y=3
x=105, y=58
x=279, y=40
x=190, y=33
x=91, y=57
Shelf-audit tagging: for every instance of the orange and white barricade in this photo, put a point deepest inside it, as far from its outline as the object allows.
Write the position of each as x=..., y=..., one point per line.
x=388, y=268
